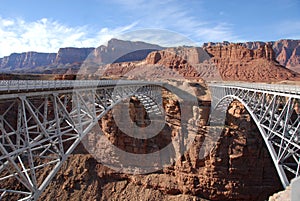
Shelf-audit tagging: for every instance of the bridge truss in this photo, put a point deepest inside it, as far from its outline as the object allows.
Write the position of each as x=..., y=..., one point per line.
x=276, y=111
x=42, y=123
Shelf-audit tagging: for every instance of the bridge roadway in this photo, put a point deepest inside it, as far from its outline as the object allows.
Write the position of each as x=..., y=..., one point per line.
x=41, y=122
x=14, y=86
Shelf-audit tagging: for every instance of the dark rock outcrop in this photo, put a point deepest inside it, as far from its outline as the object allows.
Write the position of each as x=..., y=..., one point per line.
x=122, y=51
x=71, y=55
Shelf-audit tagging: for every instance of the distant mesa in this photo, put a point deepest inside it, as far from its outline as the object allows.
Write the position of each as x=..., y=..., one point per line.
x=27, y=60
x=72, y=55
x=71, y=58
x=120, y=50
x=249, y=61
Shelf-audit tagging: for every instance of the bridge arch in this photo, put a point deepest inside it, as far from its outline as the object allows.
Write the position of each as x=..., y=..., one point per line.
x=48, y=119
x=224, y=104
x=276, y=112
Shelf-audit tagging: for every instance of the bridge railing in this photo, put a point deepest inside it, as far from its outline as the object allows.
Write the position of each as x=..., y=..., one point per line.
x=285, y=88
x=26, y=85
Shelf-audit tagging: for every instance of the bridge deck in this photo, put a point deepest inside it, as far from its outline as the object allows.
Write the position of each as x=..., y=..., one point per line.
x=23, y=86
x=282, y=88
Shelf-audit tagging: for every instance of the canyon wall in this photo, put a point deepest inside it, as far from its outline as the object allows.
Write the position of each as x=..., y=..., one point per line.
x=231, y=62
x=236, y=62
x=71, y=55
x=249, y=61
x=123, y=51
x=287, y=51
x=26, y=60
x=43, y=62
x=237, y=168
x=70, y=58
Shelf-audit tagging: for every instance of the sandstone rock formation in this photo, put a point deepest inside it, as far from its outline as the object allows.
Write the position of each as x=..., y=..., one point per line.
x=175, y=61
x=179, y=62
x=236, y=62
x=26, y=60
x=123, y=51
x=71, y=55
x=216, y=62
x=51, y=63
x=69, y=60
x=250, y=61
x=287, y=51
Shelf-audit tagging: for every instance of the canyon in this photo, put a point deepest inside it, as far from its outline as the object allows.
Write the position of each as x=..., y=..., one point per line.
x=286, y=50
x=238, y=167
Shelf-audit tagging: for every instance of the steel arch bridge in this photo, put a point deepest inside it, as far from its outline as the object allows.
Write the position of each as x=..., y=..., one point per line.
x=42, y=122
x=276, y=111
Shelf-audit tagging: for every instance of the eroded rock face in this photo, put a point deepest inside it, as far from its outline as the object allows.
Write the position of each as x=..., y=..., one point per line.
x=26, y=60
x=230, y=62
x=239, y=167
x=45, y=62
x=286, y=51
x=71, y=55
x=236, y=62
x=71, y=58
x=178, y=62
x=122, y=51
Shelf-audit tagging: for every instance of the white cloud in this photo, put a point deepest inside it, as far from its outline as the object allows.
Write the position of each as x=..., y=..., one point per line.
x=7, y=22
x=46, y=35
x=157, y=16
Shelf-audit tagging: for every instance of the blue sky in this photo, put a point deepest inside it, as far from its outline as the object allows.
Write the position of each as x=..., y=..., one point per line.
x=45, y=26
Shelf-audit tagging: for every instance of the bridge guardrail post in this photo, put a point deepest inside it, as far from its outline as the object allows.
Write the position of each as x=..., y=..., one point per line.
x=8, y=87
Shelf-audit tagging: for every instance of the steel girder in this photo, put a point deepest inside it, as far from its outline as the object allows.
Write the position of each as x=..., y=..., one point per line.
x=40, y=129
x=277, y=115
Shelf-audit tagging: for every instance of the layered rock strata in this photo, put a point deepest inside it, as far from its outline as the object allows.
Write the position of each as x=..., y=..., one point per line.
x=236, y=62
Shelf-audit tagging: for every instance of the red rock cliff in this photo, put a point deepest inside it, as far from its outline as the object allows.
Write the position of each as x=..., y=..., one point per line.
x=26, y=60
x=286, y=51
x=236, y=62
